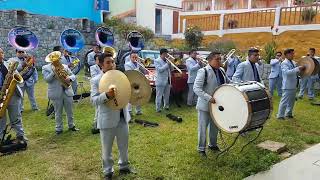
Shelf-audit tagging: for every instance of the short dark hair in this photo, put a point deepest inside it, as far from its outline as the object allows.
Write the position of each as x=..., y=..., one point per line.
x=252, y=50
x=103, y=56
x=312, y=49
x=134, y=52
x=212, y=55
x=163, y=50
x=18, y=50
x=288, y=51
x=57, y=48
x=279, y=52
x=192, y=51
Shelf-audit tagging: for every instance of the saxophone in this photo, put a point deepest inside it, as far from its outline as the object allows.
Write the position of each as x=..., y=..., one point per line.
x=27, y=71
x=58, y=68
x=9, y=85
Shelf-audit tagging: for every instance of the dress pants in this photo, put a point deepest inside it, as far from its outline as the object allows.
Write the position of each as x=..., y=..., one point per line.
x=275, y=83
x=162, y=92
x=205, y=120
x=307, y=83
x=65, y=102
x=287, y=103
x=30, y=92
x=138, y=108
x=121, y=133
x=14, y=116
x=192, y=97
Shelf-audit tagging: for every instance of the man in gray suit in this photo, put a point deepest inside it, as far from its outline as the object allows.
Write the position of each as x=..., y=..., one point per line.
x=28, y=84
x=249, y=69
x=112, y=123
x=275, y=77
x=68, y=60
x=192, y=66
x=133, y=65
x=289, y=85
x=95, y=70
x=307, y=82
x=14, y=104
x=232, y=65
x=163, y=80
x=91, y=61
x=208, y=79
x=62, y=97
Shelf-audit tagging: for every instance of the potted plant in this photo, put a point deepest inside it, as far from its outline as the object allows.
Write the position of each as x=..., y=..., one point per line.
x=308, y=14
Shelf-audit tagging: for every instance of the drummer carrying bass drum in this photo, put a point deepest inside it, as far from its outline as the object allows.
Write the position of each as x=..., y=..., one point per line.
x=207, y=80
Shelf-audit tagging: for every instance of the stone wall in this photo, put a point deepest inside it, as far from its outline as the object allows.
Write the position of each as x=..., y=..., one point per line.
x=47, y=29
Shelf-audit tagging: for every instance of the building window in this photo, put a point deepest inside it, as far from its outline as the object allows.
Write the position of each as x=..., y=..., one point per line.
x=85, y=25
x=158, y=28
x=105, y=16
x=21, y=18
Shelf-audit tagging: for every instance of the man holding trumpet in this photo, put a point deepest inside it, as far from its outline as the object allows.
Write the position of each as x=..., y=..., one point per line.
x=112, y=123
x=134, y=64
x=163, y=80
x=193, y=65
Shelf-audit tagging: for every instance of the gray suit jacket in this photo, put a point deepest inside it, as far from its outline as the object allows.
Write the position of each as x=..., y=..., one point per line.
x=95, y=70
x=192, y=67
x=289, y=75
x=245, y=73
x=275, y=68
x=34, y=77
x=107, y=118
x=91, y=61
x=131, y=66
x=205, y=93
x=163, y=72
x=55, y=89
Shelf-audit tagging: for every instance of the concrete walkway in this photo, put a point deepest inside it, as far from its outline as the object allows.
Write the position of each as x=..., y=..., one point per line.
x=302, y=166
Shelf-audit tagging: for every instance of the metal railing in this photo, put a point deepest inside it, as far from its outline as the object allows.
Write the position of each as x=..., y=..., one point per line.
x=300, y=15
x=209, y=23
x=197, y=5
x=262, y=18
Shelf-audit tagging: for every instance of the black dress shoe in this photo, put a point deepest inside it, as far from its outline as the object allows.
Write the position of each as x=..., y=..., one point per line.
x=95, y=131
x=74, y=129
x=127, y=171
x=280, y=118
x=203, y=154
x=214, y=148
x=290, y=116
x=108, y=176
x=167, y=109
x=58, y=132
x=22, y=138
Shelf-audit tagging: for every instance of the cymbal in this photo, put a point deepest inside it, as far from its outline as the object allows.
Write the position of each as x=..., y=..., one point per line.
x=140, y=88
x=118, y=80
x=309, y=64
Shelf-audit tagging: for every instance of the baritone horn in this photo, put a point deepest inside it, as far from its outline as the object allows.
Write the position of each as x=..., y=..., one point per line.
x=105, y=39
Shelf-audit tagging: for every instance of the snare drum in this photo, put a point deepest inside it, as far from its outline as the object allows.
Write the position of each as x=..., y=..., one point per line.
x=241, y=107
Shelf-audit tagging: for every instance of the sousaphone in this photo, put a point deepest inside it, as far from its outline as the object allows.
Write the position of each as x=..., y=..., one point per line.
x=118, y=82
x=135, y=41
x=105, y=39
x=140, y=88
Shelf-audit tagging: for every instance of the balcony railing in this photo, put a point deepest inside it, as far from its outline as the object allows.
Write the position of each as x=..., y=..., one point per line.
x=300, y=15
x=209, y=23
x=197, y=5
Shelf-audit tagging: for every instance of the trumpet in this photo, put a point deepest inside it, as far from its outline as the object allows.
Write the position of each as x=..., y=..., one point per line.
x=176, y=67
x=144, y=62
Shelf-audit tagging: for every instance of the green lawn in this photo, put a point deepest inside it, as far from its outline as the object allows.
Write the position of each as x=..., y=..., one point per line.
x=165, y=152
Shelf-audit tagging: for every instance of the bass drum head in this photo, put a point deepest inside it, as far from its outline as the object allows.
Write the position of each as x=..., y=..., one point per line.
x=230, y=112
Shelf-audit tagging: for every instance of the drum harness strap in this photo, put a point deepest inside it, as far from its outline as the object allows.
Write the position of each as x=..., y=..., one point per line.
x=206, y=76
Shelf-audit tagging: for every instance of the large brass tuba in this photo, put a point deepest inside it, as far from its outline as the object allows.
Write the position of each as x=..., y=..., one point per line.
x=73, y=41
x=9, y=85
x=23, y=39
x=58, y=69
x=105, y=39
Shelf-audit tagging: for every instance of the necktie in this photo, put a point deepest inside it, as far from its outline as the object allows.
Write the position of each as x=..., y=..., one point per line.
x=219, y=76
x=255, y=72
x=67, y=58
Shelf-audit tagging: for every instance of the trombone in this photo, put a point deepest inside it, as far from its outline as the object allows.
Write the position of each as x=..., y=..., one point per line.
x=203, y=60
x=142, y=62
x=176, y=67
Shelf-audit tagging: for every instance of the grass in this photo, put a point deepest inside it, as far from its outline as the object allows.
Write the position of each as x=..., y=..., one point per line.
x=164, y=152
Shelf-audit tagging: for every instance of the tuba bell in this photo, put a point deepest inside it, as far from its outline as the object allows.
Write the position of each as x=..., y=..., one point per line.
x=135, y=41
x=105, y=39
x=73, y=41
x=23, y=39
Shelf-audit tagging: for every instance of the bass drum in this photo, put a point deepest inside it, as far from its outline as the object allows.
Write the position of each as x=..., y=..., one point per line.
x=241, y=107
